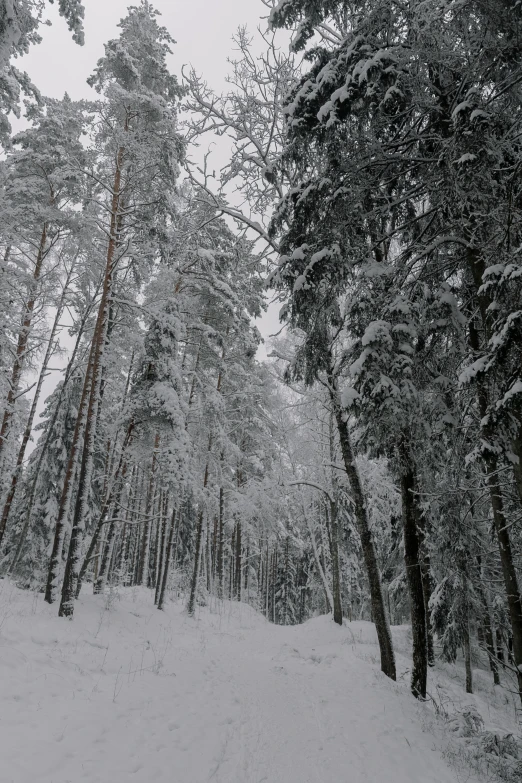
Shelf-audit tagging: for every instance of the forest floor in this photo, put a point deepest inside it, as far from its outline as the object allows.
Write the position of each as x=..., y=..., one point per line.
x=127, y=694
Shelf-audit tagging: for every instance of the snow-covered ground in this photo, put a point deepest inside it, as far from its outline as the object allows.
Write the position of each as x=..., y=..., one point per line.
x=125, y=693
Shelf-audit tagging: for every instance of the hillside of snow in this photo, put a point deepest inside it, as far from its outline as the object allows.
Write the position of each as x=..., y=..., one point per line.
x=128, y=693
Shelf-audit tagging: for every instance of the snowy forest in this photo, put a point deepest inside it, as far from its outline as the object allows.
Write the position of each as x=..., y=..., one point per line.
x=357, y=186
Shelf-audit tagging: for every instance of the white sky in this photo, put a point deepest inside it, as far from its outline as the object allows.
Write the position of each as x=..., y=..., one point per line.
x=203, y=31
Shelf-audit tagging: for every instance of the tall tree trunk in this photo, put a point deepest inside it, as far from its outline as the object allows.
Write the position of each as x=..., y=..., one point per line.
x=419, y=674
x=238, y=567
x=72, y=565
x=143, y=569
x=208, y=551
x=221, y=543
x=336, y=572
x=65, y=499
x=246, y=570
x=21, y=350
x=427, y=582
x=199, y=535
x=267, y=579
x=232, y=565
x=363, y=526
x=334, y=531
x=191, y=607
x=134, y=517
x=93, y=386
x=466, y=644
x=427, y=589
x=173, y=535
x=155, y=535
x=214, y=552
x=274, y=582
x=162, y=545
x=199, y=528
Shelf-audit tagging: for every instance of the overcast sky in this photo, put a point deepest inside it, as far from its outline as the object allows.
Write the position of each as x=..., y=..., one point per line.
x=203, y=31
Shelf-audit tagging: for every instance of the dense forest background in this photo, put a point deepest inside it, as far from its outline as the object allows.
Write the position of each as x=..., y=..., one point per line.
x=371, y=466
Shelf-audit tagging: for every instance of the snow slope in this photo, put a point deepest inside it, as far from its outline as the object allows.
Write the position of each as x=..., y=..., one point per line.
x=125, y=693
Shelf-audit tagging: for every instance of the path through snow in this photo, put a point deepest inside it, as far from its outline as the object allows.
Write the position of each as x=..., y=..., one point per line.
x=133, y=695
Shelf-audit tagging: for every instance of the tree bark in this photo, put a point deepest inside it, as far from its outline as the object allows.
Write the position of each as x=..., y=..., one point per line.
x=363, y=526
x=199, y=534
x=221, y=543
x=238, y=566
x=173, y=534
x=336, y=573
x=65, y=499
x=93, y=388
x=467, y=659
x=334, y=532
x=199, y=528
x=191, y=607
x=162, y=544
x=419, y=674
x=267, y=579
x=427, y=589
x=143, y=568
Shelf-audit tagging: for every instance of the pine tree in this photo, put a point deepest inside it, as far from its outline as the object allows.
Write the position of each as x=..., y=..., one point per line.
x=138, y=131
